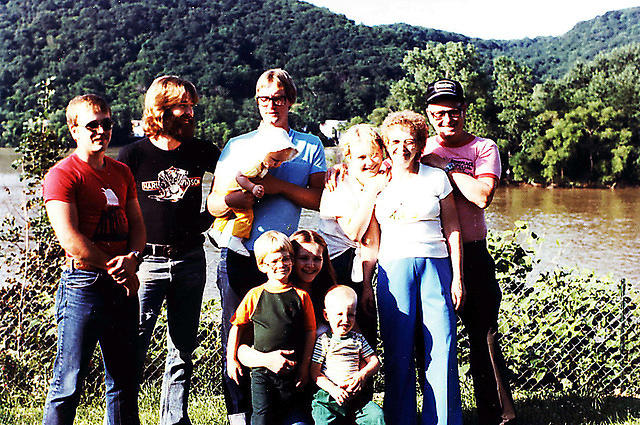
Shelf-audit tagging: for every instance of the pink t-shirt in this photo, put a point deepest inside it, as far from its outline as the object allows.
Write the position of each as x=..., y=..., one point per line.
x=478, y=158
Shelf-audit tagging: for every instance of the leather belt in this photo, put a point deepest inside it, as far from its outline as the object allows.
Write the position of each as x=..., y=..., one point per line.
x=168, y=251
x=72, y=263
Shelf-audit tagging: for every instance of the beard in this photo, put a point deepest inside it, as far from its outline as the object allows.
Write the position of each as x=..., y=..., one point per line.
x=180, y=128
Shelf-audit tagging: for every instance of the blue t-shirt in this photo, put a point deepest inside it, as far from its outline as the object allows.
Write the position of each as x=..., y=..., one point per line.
x=275, y=212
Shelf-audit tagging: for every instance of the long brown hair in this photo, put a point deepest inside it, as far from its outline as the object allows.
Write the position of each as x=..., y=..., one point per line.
x=164, y=92
x=326, y=278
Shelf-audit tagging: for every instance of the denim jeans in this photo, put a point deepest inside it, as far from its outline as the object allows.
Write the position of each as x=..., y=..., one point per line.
x=181, y=282
x=90, y=309
x=236, y=275
x=276, y=401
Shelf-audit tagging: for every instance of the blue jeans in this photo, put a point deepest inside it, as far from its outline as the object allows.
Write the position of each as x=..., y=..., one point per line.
x=90, y=309
x=275, y=400
x=181, y=282
x=415, y=293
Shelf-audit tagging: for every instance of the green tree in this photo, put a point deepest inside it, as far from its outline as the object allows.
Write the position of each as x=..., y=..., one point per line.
x=589, y=144
x=513, y=85
x=454, y=60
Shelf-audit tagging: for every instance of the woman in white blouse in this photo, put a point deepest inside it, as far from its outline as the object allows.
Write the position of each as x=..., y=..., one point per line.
x=416, y=235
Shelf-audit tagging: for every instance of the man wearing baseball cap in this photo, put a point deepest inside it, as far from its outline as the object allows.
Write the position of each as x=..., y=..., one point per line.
x=473, y=165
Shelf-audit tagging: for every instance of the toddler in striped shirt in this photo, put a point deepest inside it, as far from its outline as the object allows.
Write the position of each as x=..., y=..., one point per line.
x=342, y=362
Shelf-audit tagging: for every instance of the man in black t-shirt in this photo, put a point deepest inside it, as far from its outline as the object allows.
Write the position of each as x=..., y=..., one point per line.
x=168, y=166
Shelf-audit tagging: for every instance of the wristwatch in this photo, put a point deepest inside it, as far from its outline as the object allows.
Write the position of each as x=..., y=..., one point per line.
x=449, y=167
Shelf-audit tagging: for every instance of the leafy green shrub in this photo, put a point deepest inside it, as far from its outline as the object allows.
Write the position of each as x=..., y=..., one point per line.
x=562, y=331
x=30, y=264
x=572, y=332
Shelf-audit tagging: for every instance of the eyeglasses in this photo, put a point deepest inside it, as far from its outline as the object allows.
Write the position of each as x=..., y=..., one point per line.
x=105, y=123
x=452, y=113
x=285, y=259
x=277, y=100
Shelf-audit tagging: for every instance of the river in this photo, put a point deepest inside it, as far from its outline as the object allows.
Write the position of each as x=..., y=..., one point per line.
x=589, y=229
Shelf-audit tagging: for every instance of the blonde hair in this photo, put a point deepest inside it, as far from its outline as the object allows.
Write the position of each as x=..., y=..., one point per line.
x=90, y=101
x=338, y=293
x=361, y=133
x=282, y=79
x=165, y=91
x=413, y=122
x=269, y=242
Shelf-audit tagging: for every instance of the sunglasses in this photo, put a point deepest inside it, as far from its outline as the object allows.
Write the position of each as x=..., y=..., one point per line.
x=105, y=123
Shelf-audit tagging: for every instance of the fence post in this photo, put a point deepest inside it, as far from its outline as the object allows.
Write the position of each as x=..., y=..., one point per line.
x=622, y=326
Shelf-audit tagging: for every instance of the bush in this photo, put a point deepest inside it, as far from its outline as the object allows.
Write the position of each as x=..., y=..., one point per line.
x=572, y=332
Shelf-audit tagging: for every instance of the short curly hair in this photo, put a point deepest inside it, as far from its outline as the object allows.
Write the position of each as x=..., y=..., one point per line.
x=412, y=121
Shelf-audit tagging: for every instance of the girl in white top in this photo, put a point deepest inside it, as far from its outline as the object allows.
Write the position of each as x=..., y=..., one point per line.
x=415, y=226
x=346, y=211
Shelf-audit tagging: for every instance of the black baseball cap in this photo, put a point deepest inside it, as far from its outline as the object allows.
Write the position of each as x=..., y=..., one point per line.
x=445, y=88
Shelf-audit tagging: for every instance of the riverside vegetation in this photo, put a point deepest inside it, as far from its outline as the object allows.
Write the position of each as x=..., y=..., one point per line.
x=572, y=340
x=563, y=109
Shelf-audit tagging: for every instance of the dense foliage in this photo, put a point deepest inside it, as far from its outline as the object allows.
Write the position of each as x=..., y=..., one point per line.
x=582, y=129
x=554, y=56
x=116, y=48
x=564, y=330
x=30, y=260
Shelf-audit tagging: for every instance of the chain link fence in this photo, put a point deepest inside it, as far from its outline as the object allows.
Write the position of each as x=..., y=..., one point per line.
x=562, y=332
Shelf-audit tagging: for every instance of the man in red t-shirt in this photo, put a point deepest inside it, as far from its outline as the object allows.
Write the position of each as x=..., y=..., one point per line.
x=93, y=208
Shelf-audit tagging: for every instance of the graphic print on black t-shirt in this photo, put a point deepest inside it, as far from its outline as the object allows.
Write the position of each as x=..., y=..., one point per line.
x=113, y=223
x=171, y=185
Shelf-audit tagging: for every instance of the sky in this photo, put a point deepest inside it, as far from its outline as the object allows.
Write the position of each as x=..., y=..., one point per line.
x=488, y=19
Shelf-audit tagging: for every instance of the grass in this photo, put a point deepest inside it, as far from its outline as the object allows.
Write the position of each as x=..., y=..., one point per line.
x=532, y=410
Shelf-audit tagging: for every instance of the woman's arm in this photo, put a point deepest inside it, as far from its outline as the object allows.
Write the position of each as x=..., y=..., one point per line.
x=369, y=254
x=303, y=370
x=451, y=229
